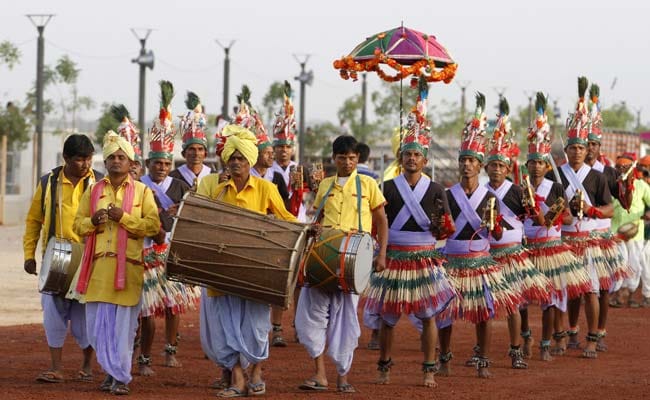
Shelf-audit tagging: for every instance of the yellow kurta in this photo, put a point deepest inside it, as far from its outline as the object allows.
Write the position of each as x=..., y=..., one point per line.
x=258, y=195
x=37, y=222
x=340, y=210
x=140, y=222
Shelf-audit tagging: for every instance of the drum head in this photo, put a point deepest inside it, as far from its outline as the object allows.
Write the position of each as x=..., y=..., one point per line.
x=363, y=262
x=46, y=263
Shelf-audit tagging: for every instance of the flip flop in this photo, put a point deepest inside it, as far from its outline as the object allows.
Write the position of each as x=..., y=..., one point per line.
x=119, y=389
x=231, y=392
x=312, y=384
x=256, y=389
x=345, y=388
x=49, y=377
x=84, y=376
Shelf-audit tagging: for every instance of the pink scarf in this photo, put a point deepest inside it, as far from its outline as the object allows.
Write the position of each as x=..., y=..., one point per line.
x=122, y=237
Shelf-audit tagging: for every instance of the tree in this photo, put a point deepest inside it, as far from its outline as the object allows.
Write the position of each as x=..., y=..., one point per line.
x=618, y=116
x=319, y=138
x=387, y=104
x=350, y=113
x=68, y=73
x=272, y=101
x=105, y=123
x=14, y=125
x=9, y=54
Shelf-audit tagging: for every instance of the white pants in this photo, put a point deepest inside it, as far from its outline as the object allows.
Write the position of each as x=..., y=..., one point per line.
x=632, y=252
x=58, y=313
x=329, y=319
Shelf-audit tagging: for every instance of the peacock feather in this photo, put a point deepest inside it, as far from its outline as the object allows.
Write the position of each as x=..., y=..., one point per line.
x=582, y=86
x=119, y=112
x=166, y=93
x=540, y=103
x=192, y=100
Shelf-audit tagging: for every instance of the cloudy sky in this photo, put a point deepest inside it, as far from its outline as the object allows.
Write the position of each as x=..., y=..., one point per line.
x=520, y=46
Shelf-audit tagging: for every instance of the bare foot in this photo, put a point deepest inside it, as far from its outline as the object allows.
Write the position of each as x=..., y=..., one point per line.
x=171, y=361
x=545, y=355
x=429, y=380
x=444, y=369
x=560, y=347
x=383, y=378
x=483, y=373
x=145, y=370
x=527, y=348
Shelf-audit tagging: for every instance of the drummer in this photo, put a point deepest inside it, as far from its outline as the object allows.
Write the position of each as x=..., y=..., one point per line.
x=64, y=185
x=234, y=331
x=114, y=216
x=195, y=145
x=414, y=280
x=330, y=319
x=160, y=296
x=632, y=248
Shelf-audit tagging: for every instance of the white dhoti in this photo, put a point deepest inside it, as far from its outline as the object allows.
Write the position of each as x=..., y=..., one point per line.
x=329, y=319
x=235, y=330
x=632, y=252
x=58, y=313
x=111, y=332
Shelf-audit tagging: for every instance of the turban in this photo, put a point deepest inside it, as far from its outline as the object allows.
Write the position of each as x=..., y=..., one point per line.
x=114, y=142
x=239, y=138
x=645, y=161
x=626, y=158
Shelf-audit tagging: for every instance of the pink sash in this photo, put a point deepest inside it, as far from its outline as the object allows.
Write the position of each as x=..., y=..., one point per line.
x=122, y=237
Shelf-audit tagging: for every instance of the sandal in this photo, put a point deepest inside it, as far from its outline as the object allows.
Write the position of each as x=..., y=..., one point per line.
x=119, y=389
x=312, y=384
x=84, y=376
x=616, y=303
x=106, y=384
x=50, y=377
x=256, y=389
x=345, y=388
x=231, y=392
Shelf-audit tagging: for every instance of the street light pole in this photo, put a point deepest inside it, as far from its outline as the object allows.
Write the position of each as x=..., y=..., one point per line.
x=463, y=88
x=145, y=60
x=364, y=99
x=226, y=77
x=304, y=78
x=39, y=21
x=530, y=95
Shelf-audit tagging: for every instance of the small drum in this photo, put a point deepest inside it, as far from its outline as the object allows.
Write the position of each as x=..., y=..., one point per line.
x=60, y=265
x=340, y=261
x=628, y=231
x=235, y=251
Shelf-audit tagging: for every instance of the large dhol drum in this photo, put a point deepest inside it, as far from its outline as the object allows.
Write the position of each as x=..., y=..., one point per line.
x=340, y=261
x=59, y=267
x=235, y=251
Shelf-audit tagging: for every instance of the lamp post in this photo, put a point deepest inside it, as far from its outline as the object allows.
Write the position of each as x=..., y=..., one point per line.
x=305, y=78
x=40, y=21
x=226, y=76
x=145, y=59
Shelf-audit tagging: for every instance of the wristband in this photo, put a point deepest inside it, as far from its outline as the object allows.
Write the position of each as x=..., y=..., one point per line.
x=594, y=212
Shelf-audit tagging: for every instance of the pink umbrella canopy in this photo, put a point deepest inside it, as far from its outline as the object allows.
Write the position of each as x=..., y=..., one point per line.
x=407, y=51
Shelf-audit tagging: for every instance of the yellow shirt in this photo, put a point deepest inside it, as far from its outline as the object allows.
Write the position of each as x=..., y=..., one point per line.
x=340, y=210
x=140, y=222
x=37, y=223
x=258, y=195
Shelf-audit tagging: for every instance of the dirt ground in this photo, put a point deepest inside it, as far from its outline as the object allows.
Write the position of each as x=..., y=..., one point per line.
x=622, y=373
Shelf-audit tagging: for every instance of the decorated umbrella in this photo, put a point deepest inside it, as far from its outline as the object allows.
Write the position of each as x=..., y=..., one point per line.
x=407, y=51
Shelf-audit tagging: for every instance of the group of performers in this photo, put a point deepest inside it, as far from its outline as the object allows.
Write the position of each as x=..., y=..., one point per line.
x=543, y=237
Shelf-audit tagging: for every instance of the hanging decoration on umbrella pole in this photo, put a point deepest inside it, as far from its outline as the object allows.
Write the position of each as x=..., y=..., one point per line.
x=406, y=51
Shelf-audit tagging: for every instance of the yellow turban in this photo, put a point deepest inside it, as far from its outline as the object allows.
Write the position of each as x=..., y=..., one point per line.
x=394, y=169
x=114, y=142
x=239, y=138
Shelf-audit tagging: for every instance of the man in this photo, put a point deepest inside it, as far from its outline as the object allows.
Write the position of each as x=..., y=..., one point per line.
x=284, y=138
x=479, y=278
x=631, y=247
x=613, y=269
x=326, y=319
x=161, y=296
x=414, y=281
x=362, y=167
x=590, y=198
x=54, y=204
x=114, y=216
x=195, y=144
x=234, y=331
x=543, y=238
x=508, y=251
x=263, y=169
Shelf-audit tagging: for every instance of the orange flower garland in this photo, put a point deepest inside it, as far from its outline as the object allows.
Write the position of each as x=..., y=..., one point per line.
x=350, y=69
